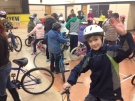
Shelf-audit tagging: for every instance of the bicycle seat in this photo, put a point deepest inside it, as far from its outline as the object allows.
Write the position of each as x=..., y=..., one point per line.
x=21, y=62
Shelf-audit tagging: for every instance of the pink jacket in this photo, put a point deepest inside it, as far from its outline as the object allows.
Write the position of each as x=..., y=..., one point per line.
x=39, y=31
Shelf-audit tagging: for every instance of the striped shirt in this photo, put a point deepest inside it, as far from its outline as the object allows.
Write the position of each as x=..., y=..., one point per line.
x=110, y=33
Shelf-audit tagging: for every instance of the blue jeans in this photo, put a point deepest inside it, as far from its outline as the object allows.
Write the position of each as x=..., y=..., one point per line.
x=10, y=35
x=5, y=79
x=92, y=98
x=63, y=34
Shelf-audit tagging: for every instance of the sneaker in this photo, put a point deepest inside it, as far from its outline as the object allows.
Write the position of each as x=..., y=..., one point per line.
x=47, y=60
x=34, y=53
x=15, y=46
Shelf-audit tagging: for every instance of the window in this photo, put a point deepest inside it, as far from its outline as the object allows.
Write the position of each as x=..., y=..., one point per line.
x=97, y=8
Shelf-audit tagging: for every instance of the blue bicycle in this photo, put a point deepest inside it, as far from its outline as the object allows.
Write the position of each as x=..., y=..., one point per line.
x=61, y=62
x=33, y=81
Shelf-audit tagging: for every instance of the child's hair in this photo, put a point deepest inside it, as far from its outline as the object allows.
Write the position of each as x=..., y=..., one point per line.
x=115, y=15
x=63, y=21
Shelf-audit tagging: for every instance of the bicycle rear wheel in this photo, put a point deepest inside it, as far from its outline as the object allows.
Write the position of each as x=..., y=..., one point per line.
x=37, y=60
x=26, y=43
x=37, y=81
x=18, y=42
x=133, y=81
x=62, y=67
x=74, y=55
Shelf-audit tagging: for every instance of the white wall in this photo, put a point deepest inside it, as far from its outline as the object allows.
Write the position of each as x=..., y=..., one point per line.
x=58, y=10
x=40, y=10
x=72, y=1
x=11, y=6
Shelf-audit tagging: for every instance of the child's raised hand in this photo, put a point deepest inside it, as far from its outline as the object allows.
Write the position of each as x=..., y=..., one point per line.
x=118, y=26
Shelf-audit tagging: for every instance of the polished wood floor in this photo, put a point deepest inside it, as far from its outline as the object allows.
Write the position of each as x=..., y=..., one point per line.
x=79, y=91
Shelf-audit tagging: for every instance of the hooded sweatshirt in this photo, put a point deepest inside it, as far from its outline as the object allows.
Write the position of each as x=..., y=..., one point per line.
x=73, y=24
x=54, y=41
x=80, y=34
x=39, y=31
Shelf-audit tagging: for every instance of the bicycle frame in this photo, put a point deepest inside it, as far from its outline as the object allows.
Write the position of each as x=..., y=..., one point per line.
x=16, y=79
x=81, y=50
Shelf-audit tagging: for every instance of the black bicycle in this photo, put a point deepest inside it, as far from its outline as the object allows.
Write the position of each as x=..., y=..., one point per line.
x=33, y=81
x=67, y=92
x=18, y=43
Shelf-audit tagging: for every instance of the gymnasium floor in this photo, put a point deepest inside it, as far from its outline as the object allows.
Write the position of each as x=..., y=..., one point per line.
x=79, y=91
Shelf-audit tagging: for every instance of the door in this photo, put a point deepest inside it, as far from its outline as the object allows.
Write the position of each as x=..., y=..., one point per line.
x=84, y=10
x=48, y=10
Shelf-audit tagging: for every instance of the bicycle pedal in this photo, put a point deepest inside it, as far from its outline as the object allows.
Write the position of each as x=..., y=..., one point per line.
x=13, y=75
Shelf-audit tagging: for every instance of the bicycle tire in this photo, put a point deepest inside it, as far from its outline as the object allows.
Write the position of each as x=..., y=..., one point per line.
x=39, y=63
x=133, y=81
x=72, y=53
x=62, y=71
x=33, y=78
x=19, y=39
x=26, y=43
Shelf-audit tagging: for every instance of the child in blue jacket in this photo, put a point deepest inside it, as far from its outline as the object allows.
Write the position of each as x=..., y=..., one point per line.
x=54, y=45
x=103, y=61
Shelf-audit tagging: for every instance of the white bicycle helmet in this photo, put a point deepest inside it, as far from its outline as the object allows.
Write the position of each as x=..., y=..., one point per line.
x=92, y=30
x=3, y=13
x=61, y=19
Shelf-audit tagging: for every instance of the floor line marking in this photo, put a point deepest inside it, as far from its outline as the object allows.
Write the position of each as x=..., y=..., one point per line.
x=128, y=78
x=123, y=74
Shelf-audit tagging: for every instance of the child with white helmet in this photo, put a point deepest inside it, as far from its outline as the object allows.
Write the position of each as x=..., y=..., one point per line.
x=63, y=27
x=103, y=61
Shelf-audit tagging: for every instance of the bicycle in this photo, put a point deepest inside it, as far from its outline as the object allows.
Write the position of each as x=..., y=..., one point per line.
x=18, y=43
x=61, y=62
x=67, y=92
x=33, y=81
x=78, y=51
x=40, y=45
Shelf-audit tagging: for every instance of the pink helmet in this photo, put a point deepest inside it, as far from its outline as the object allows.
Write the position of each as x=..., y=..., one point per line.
x=3, y=13
x=90, y=19
x=123, y=16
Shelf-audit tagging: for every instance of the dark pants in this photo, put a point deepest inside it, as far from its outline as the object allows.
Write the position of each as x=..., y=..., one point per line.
x=47, y=53
x=92, y=98
x=54, y=59
x=100, y=23
x=35, y=43
x=110, y=42
x=73, y=41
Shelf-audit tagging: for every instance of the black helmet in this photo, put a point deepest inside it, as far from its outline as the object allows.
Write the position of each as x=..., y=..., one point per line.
x=35, y=15
x=31, y=17
x=56, y=26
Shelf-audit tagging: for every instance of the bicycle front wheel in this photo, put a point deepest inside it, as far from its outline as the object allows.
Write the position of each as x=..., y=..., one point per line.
x=37, y=60
x=18, y=42
x=37, y=81
x=62, y=67
x=74, y=55
x=133, y=81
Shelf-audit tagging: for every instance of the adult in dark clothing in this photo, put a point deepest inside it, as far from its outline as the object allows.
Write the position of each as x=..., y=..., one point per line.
x=80, y=16
x=70, y=15
x=5, y=68
x=48, y=26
